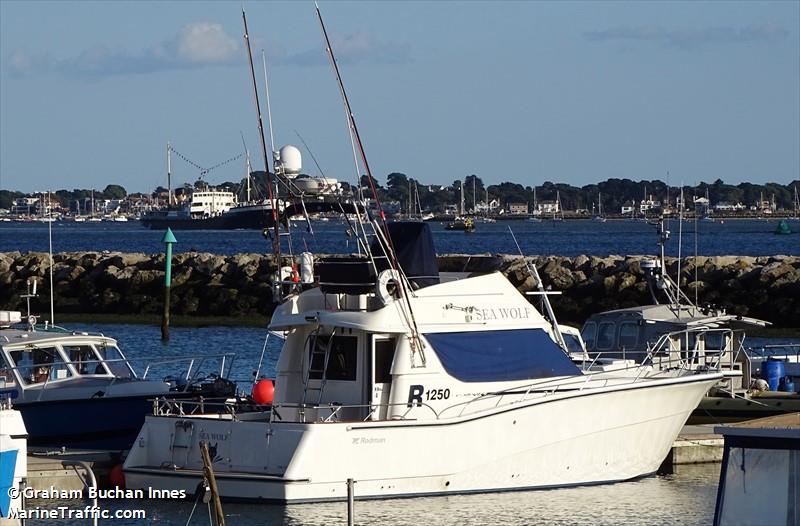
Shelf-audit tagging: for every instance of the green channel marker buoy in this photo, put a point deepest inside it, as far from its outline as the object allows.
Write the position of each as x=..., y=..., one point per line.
x=783, y=228
x=169, y=240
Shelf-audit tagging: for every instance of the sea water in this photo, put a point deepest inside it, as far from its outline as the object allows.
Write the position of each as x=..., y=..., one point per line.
x=565, y=238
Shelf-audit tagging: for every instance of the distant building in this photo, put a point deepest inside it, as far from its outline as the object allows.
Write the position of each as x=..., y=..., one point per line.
x=648, y=204
x=483, y=208
x=517, y=208
x=547, y=207
x=25, y=206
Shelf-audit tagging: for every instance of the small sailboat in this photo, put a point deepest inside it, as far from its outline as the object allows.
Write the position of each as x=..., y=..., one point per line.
x=599, y=217
x=558, y=213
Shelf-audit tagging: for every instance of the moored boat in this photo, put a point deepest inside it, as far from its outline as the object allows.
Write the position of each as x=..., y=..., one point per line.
x=479, y=379
x=77, y=389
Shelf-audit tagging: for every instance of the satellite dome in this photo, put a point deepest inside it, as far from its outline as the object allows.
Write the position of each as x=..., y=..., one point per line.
x=290, y=159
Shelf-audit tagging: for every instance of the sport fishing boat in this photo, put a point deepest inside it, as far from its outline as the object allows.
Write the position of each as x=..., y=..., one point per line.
x=413, y=386
x=77, y=389
x=420, y=390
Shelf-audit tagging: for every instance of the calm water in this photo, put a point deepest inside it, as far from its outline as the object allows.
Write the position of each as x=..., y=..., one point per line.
x=684, y=498
x=567, y=238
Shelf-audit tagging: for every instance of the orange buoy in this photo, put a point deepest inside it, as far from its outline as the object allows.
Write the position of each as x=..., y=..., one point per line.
x=116, y=477
x=263, y=391
x=295, y=275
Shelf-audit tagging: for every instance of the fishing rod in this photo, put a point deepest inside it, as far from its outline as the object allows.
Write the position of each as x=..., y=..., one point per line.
x=389, y=251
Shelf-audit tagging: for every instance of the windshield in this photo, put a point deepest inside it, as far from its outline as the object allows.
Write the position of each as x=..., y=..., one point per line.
x=573, y=343
x=84, y=359
x=115, y=361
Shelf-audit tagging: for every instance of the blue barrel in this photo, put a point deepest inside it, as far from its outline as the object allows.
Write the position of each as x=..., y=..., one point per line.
x=773, y=370
x=786, y=385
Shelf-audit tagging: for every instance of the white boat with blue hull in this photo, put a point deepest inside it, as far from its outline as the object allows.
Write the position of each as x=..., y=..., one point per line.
x=78, y=390
x=481, y=398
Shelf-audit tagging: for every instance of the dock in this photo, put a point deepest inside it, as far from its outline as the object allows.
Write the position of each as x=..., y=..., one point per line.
x=696, y=444
x=66, y=470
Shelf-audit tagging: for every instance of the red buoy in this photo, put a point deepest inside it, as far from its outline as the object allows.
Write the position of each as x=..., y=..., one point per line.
x=263, y=391
x=117, y=477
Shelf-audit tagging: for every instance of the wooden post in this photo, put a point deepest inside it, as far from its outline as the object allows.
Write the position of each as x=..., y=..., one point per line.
x=208, y=471
x=169, y=239
x=350, y=498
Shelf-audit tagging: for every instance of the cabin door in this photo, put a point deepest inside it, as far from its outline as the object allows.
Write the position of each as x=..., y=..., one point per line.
x=381, y=358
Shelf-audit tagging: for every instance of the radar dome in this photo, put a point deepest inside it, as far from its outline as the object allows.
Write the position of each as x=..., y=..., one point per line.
x=290, y=159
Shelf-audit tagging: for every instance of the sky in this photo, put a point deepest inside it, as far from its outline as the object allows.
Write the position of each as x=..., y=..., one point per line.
x=572, y=92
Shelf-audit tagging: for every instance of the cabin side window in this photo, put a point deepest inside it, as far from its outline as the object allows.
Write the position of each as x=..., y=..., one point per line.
x=342, y=358
x=589, y=333
x=6, y=372
x=84, y=359
x=40, y=364
x=628, y=335
x=715, y=341
x=605, y=336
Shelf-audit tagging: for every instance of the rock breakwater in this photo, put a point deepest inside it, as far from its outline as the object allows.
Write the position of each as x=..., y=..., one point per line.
x=765, y=287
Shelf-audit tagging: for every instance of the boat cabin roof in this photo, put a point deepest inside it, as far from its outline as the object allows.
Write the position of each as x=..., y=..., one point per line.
x=686, y=316
x=15, y=337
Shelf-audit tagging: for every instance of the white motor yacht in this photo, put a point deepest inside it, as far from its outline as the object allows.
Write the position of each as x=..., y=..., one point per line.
x=413, y=388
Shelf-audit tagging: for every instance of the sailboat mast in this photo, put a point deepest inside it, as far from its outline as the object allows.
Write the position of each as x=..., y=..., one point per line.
x=169, y=176
x=473, y=193
x=462, y=198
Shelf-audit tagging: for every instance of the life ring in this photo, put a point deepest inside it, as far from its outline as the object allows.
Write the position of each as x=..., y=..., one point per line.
x=387, y=288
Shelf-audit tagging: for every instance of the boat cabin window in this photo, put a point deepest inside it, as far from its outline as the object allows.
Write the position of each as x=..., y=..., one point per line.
x=115, y=361
x=342, y=358
x=588, y=334
x=629, y=335
x=84, y=359
x=715, y=341
x=605, y=335
x=40, y=364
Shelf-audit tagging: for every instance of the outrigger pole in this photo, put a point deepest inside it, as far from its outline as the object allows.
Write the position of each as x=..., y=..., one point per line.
x=276, y=239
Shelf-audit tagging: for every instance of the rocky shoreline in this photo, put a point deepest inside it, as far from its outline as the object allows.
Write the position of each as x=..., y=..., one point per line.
x=766, y=287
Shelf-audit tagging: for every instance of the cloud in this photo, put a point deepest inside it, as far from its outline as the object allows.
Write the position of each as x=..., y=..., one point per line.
x=197, y=45
x=355, y=48
x=692, y=38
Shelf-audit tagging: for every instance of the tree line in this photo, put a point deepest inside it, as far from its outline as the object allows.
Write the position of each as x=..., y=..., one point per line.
x=434, y=197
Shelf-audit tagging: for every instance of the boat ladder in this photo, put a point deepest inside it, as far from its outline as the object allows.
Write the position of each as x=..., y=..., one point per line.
x=317, y=368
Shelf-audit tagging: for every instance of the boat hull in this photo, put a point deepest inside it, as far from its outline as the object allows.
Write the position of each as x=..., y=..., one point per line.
x=565, y=439
x=97, y=423
x=255, y=219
